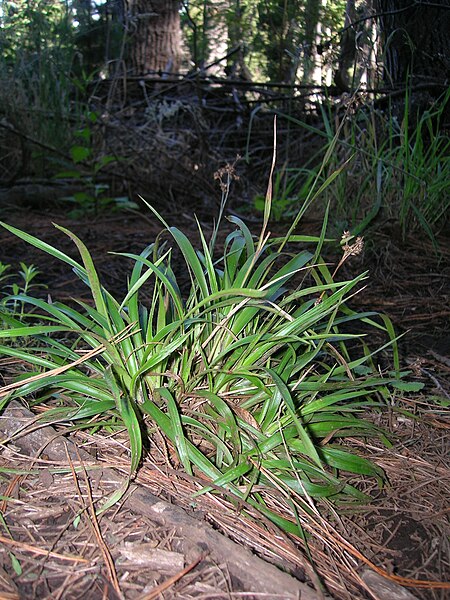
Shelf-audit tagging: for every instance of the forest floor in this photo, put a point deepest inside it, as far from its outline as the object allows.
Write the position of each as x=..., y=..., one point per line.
x=160, y=543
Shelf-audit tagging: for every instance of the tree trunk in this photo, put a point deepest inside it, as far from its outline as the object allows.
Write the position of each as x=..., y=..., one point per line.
x=415, y=40
x=214, y=43
x=311, y=29
x=154, y=36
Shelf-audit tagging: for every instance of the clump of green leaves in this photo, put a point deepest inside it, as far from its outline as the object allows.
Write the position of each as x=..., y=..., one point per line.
x=251, y=375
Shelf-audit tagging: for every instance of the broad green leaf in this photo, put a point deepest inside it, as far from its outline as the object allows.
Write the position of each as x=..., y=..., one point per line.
x=42, y=246
x=283, y=390
x=178, y=433
x=79, y=153
x=130, y=418
x=91, y=272
x=408, y=386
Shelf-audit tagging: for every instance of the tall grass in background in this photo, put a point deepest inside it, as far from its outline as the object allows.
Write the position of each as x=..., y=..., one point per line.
x=420, y=156
x=395, y=169
x=255, y=375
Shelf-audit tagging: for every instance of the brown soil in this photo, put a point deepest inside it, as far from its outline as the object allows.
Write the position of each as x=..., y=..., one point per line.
x=159, y=542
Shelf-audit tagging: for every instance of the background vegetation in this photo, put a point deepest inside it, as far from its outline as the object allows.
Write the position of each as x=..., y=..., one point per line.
x=204, y=79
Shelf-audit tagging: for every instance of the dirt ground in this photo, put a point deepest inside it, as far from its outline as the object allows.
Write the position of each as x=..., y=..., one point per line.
x=159, y=542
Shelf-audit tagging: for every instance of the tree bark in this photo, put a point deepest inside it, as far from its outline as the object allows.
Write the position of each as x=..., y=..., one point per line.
x=311, y=25
x=415, y=40
x=154, y=36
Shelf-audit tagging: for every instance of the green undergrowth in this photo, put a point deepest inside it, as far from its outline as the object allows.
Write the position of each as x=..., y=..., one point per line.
x=397, y=168
x=252, y=375
x=391, y=168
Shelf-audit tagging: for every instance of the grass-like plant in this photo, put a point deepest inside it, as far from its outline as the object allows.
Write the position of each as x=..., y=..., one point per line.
x=250, y=374
x=21, y=282
x=290, y=189
x=417, y=169
x=396, y=168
